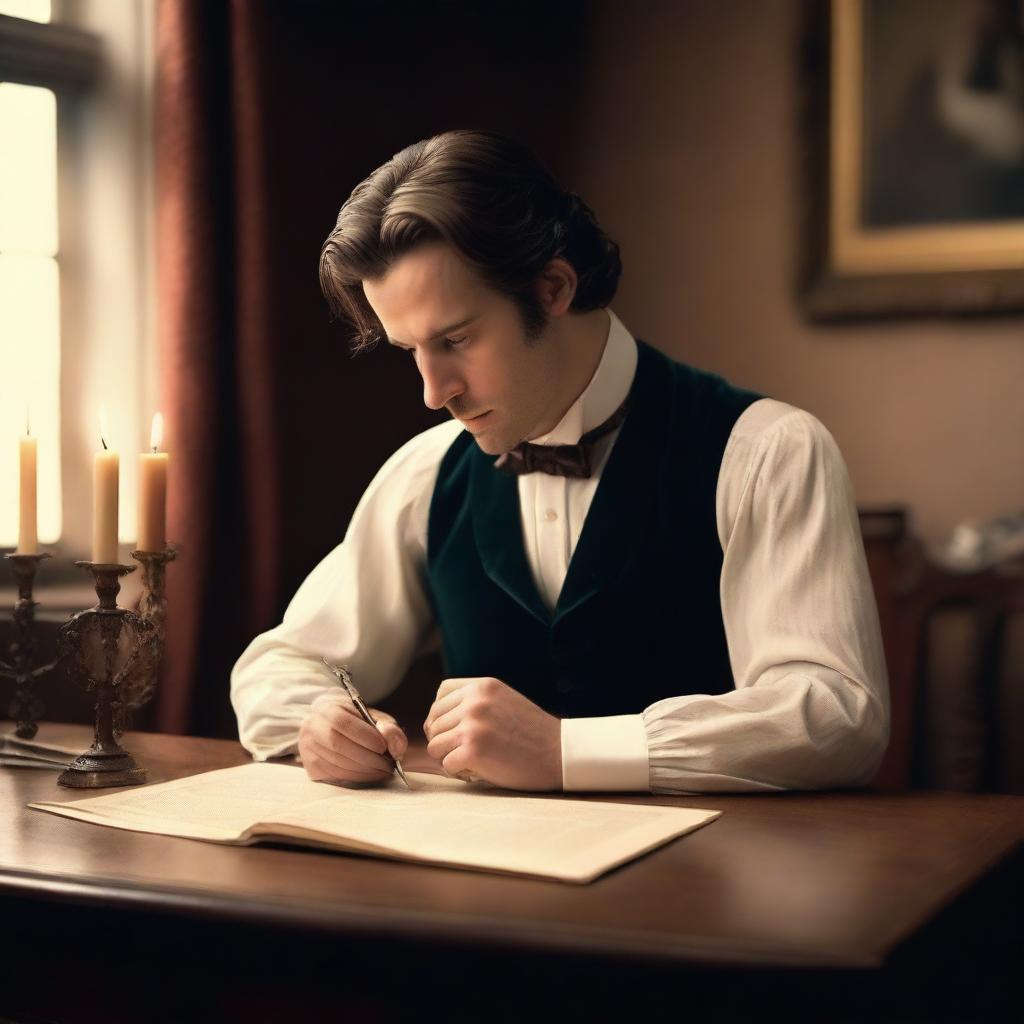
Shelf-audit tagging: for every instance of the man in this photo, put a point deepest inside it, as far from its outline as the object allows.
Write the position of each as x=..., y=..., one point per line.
x=663, y=590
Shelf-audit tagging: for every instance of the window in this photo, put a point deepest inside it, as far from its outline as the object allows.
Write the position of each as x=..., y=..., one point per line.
x=30, y=10
x=29, y=299
x=75, y=255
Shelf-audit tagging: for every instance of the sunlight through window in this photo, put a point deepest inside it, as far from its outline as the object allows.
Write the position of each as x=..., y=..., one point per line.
x=30, y=10
x=29, y=302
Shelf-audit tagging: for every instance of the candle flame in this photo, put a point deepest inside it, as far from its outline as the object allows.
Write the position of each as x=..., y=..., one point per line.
x=156, y=434
x=103, y=426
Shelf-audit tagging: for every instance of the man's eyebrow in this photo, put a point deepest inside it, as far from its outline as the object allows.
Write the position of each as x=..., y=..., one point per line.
x=441, y=332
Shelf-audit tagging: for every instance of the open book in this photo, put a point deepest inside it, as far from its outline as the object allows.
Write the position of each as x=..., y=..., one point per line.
x=440, y=821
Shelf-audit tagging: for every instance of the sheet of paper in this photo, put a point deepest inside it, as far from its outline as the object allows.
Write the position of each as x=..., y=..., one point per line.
x=52, y=740
x=8, y=761
x=441, y=821
x=41, y=752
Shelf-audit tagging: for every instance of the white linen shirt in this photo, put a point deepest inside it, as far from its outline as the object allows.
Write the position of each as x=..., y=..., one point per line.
x=811, y=703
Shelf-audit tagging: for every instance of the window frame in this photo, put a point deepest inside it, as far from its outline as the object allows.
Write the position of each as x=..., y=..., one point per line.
x=51, y=54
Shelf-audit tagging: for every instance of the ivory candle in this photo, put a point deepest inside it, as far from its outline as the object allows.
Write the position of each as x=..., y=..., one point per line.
x=105, y=469
x=28, y=538
x=153, y=492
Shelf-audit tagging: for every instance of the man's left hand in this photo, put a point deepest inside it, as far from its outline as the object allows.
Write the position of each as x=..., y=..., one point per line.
x=484, y=727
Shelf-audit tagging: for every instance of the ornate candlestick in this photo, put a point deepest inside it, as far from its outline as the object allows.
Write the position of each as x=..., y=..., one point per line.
x=26, y=707
x=110, y=649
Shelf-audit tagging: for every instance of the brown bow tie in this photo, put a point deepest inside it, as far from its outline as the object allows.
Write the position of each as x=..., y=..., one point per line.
x=560, y=459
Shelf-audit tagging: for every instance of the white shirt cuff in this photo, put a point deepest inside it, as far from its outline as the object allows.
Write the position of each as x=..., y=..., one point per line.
x=604, y=754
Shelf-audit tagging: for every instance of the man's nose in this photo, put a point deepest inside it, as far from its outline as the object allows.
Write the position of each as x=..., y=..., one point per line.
x=440, y=381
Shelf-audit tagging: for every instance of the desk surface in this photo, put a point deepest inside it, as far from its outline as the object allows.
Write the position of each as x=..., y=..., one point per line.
x=803, y=880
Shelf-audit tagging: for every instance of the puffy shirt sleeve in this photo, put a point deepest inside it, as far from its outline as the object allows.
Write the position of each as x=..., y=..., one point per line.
x=811, y=704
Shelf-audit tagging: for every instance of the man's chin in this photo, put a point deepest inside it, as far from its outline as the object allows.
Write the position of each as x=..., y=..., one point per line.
x=491, y=447
x=487, y=431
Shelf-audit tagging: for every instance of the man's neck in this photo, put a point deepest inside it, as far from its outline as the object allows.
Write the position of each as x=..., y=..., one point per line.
x=580, y=343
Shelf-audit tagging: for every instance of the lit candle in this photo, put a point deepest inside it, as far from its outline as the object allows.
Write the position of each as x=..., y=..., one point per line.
x=104, y=500
x=153, y=492
x=28, y=540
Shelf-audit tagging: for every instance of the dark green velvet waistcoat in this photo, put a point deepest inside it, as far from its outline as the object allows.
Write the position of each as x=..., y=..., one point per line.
x=639, y=616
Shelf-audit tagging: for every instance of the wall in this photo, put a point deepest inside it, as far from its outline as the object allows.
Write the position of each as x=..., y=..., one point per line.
x=689, y=154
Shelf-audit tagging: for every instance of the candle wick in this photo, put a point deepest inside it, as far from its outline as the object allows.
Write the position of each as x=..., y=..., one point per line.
x=104, y=440
x=154, y=449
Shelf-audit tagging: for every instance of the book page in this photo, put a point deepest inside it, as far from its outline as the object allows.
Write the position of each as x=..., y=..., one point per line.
x=441, y=821
x=572, y=840
x=221, y=805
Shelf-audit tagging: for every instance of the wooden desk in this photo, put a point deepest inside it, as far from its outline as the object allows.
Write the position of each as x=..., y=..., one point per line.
x=824, y=903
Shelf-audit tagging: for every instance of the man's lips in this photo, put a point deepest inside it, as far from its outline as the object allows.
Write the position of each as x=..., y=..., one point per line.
x=474, y=419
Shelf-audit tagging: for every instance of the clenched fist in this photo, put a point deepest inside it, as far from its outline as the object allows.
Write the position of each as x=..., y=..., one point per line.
x=483, y=728
x=336, y=745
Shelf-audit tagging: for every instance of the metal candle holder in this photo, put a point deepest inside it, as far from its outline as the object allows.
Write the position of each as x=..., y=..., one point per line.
x=153, y=608
x=115, y=654
x=26, y=707
x=153, y=604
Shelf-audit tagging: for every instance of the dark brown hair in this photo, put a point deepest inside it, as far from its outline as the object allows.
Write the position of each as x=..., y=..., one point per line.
x=490, y=198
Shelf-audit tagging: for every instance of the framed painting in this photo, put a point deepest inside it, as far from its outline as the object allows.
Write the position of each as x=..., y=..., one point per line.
x=915, y=113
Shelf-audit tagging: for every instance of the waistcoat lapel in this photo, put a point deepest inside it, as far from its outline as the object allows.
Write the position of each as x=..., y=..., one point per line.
x=498, y=532
x=624, y=501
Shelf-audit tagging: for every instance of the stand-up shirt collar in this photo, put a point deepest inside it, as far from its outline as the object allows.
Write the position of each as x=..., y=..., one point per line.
x=606, y=391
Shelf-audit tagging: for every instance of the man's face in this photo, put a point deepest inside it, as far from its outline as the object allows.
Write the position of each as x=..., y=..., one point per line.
x=469, y=346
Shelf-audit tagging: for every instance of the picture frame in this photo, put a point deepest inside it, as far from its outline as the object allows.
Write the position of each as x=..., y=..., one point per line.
x=914, y=170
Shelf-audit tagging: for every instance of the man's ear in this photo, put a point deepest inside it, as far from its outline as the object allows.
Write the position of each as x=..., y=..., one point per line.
x=555, y=287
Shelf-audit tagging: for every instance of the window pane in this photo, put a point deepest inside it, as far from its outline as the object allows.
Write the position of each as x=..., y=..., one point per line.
x=30, y=380
x=28, y=169
x=30, y=10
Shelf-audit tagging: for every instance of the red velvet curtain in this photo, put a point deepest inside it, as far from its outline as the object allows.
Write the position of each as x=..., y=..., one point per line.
x=268, y=113
x=214, y=308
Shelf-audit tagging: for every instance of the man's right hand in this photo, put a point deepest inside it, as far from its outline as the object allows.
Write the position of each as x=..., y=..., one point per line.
x=337, y=745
